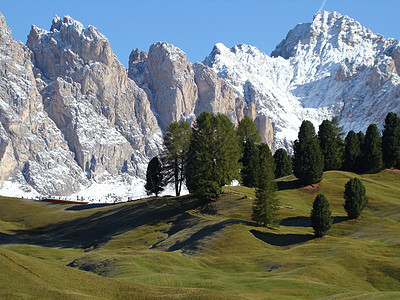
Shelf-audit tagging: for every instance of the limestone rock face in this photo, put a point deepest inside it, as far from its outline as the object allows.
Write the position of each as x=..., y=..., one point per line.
x=215, y=95
x=381, y=72
x=68, y=47
x=168, y=78
x=396, y=57
x=32, y=148
x=104, y=116
x=179, y=90
x=266, y=131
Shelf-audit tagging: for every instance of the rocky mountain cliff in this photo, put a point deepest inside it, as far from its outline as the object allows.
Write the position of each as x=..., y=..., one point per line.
x=72, y=118
x=33, y=151
x=330, y=67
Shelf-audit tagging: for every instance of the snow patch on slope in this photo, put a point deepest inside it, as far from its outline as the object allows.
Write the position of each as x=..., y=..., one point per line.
x=112, y=189
x=266, y=81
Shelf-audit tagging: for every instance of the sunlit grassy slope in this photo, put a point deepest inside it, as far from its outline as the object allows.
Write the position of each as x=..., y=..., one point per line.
x=181, y=248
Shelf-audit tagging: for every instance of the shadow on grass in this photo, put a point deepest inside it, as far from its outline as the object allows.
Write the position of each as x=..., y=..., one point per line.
x=306, y=221
x=194, y=241
x=339, y=219
x=5, y=238
x=88, y=206
x=101, y=226
x=296, y=222
x=192, y=232
x=289, y=185
x=281, y=240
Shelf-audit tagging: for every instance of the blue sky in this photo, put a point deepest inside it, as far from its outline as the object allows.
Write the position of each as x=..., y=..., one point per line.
x=195, y=26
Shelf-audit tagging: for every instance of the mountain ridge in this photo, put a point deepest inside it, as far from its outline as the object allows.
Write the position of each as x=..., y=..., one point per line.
x=316, y=82
x=97, y=124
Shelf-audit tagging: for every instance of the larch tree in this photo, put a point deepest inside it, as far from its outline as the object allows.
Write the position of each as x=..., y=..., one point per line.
x=247, y=131
x=214, y=153
x=176, y=148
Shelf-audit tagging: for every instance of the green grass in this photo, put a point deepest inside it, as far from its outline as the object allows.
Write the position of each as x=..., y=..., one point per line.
x=182, y=248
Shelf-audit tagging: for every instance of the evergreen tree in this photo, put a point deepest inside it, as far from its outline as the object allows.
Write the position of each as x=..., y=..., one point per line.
x=265, y=208
x=266, y=204
x=372, y=150
x=248, y=137
x=214, y=153
x=176, y=147
x=339, y=132
x=355, y=198
x=361, y=140
x=321, y=216
x=391, y=141
x=308, y=162
x=352, y=152
x=250, y=164
x=283, y=163
x=247, y=131
x=154, y=178
x=360, y=165
x=266, y=166
x=331, y=145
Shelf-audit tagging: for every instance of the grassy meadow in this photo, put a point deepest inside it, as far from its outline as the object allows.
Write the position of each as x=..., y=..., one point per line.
x=181, y=248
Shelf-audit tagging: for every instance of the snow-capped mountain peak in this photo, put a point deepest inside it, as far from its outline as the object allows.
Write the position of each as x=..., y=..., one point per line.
x=329, y=30
x=332, y=66
x=73, y=118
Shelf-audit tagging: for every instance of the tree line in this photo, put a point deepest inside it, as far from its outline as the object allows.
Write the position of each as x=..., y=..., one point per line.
x=358, y=152
x=212, y=153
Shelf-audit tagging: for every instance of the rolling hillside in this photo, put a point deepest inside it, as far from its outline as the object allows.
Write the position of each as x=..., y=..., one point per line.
x=182, y=248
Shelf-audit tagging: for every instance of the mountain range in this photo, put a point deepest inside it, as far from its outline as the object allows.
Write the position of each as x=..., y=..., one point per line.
x=75, y=123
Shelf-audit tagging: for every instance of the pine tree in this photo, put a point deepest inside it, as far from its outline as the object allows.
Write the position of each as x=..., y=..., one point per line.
x=391, y=141
x=266, y=204
x=154, y=178
x=372, y=150
x=247, y=131
x=265, y=208
x=355, y=198
x=331, y=145
x=176, y=148
x=352, y=152
x=214, y=153
x=360, y=165
x=248, y=137
x=283, y=163
x=308, y=160
x=266, y=166
x=321, y=216
x=361, y=139
x=339, y=132
x=250, y=164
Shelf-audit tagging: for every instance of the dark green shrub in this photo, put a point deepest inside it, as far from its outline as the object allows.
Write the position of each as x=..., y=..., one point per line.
x=321, y=216
x=355, y=198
